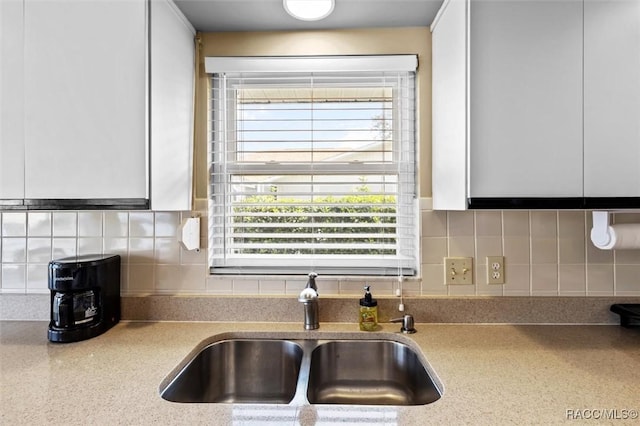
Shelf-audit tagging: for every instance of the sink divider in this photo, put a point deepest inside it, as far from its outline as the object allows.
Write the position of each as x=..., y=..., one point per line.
x=300, y=397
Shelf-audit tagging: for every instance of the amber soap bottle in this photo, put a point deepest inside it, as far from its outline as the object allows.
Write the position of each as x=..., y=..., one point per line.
x=368, y=315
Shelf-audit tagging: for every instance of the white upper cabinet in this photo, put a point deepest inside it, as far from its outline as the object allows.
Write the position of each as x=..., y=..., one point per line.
x=526, y=98
x=11, y=100
x=85, y=124
x=507, y=93
x=612, y=98
x=172, y=91
x=96, y=104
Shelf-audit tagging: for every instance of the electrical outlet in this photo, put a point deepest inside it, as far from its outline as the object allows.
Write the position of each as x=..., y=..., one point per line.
x=458, y=270
x=495, y=270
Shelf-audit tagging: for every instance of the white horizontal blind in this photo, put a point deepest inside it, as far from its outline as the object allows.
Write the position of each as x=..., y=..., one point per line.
x=313, y=171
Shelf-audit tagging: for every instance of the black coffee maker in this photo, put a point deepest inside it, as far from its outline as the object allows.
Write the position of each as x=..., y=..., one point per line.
x=85, y=296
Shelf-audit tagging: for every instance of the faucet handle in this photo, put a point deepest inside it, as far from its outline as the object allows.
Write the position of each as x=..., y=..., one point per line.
x=407, y=324
x=310, y=292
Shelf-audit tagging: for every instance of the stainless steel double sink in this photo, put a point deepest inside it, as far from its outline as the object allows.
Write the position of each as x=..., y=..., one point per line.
x=304, y=371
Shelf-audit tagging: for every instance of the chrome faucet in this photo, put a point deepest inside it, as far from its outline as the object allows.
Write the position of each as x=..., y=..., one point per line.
x=309, y=298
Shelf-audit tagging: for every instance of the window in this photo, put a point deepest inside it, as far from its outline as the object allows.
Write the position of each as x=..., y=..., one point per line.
x=312, y=169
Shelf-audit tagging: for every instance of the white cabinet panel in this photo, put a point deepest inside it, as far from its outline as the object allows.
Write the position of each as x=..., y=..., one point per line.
x=526, y=99
x=522, y=121
x=449, y=76
x=85, y=132
x=172, y=88
x=612, y=98
x=11, y=100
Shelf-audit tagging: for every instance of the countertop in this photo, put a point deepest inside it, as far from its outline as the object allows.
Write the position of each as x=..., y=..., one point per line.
x=492, y=374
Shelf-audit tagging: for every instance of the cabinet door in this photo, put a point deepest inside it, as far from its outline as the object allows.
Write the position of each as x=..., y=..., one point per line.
x=11, y=100
x=85, y=99
x=172, y=89
x=449, y=145
x=612, y=98
x=526, y=98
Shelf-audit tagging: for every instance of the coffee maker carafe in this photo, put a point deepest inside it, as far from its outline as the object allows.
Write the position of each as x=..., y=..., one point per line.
x=85, y=296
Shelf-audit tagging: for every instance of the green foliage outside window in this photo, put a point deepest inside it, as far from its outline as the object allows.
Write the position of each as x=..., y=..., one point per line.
x=360, y=209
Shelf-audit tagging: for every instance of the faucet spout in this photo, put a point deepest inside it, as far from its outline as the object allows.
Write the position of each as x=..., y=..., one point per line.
x=309, y=299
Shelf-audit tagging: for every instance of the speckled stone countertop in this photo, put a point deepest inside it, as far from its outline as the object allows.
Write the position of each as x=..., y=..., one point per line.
x=492, y=374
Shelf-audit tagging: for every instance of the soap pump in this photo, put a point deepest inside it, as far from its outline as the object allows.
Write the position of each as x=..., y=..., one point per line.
x=368, y=315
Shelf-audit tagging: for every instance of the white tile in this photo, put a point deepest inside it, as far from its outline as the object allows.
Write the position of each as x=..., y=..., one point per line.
x=293, y=285
x=572, y=250
x=600, y=280
x=246, y=286
x=38, y=250
x=433, y=280
x=14, y=276
x=272, y=286
x=116, y=224
x=434, y=223
x=461, y=290
x=488, y=223
x=63, y=247
x=65, y=224
x=90, y=224
x=411, y=287
x=544, y=280
x=515, y=223
x=166, y=224
x=124, y=277
x=14, y=250
x=544, y=251
x=141, y=279
x=627, y=280
x=217, y=284
x=39, y=224
x=462, y=247
x=517, y=280
x=460, y=223
x=89, y=246
x=328, y=287
x=517, y=250
x=167, y=251
x=544, y=224
x=141, y=250
x=572, y=280
x=571, y=224
x=350, y=288
x=627, y=257
x=434, y=250
x=118, y=246
x=37, y=277
x=181, y=278
x=14, y=224
x=141, y=224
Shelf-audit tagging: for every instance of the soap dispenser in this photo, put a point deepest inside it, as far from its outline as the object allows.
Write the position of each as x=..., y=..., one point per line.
x=368, y=315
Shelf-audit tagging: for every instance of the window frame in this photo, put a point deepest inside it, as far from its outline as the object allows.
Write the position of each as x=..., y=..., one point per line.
x=406, y=264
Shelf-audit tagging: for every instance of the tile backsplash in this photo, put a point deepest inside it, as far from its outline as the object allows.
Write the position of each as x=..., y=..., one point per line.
x=547, y=253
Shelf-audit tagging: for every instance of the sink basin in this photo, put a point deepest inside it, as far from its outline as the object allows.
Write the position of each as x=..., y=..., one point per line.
x=369, y=372
x=239, y=371
x=303, y=371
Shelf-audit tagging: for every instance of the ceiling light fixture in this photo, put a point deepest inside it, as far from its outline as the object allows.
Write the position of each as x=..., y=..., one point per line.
x=309, y=10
